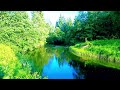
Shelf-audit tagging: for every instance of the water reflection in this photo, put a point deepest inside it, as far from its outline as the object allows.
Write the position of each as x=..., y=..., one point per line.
x=40, y=57
x=58, y=63
x=61, y=70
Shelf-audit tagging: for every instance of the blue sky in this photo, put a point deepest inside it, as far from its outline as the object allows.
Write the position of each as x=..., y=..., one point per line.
x=53, y=16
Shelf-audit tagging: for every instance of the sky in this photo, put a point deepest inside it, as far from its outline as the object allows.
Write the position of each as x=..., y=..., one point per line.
x=53, y=16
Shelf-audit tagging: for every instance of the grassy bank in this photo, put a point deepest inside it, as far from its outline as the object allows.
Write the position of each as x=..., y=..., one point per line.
x=103, y=52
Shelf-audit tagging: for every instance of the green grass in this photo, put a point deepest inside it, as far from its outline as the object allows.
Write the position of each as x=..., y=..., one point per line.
x=104, y=52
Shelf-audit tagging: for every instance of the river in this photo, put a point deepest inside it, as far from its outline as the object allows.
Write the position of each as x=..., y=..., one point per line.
x=58, y=63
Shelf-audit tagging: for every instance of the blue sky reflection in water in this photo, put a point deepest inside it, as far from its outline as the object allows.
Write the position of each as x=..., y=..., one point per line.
x=57, y=70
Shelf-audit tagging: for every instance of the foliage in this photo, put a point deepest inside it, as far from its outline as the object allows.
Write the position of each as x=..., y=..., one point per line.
x=17, y=28
x=98, y=25
x=63, y=32
x=22, y=35
x=19, y=34
x=93, y=25
x=40, y=25
x=105, y=52
x=11, y=68
x=38, y=58
x=56, y=37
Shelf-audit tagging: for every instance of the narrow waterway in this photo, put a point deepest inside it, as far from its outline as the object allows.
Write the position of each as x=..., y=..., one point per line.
x=58, y=63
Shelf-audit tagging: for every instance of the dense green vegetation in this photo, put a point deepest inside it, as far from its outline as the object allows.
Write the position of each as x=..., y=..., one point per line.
x=10, y=66
x=93, y=34
x=21, y=35
x=100, y=27
x=93, y=25
x=104, y=52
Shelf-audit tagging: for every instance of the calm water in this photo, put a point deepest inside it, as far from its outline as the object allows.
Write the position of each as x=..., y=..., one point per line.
x=60, y=70
x=58, y=63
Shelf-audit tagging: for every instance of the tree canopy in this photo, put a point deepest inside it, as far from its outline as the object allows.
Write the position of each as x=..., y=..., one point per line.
x=92, y=25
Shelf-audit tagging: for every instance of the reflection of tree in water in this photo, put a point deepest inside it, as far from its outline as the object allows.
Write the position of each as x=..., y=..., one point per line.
x=63, y=56
x=61, y=59
x=80, y=73
x=59, y=55
x=39, y=58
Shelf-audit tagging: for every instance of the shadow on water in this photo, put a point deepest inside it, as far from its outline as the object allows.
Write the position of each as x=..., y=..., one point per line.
x=58, y=63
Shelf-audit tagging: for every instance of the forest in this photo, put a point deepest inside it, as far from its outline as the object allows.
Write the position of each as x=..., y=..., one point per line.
x=93, y=35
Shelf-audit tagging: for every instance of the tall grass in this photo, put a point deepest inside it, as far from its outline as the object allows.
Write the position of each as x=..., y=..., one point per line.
x=101, y=50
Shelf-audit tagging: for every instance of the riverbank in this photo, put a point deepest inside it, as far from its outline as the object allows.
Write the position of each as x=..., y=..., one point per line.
x=16, y=65
x=101, y=52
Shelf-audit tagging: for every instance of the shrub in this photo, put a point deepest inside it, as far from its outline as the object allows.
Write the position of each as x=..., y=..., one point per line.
x=11, y=68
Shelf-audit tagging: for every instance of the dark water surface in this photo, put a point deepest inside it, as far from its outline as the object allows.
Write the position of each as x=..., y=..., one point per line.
x=58, y=63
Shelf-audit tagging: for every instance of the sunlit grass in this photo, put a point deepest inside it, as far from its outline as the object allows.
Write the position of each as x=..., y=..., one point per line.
x=104, y=52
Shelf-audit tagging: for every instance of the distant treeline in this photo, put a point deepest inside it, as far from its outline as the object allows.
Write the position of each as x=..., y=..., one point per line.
x=93, y=25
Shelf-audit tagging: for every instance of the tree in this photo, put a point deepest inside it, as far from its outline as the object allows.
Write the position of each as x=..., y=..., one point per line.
x=16, y=28
x=60, y=23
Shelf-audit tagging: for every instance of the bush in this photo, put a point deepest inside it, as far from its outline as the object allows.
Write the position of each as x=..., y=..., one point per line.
x=11, y=68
